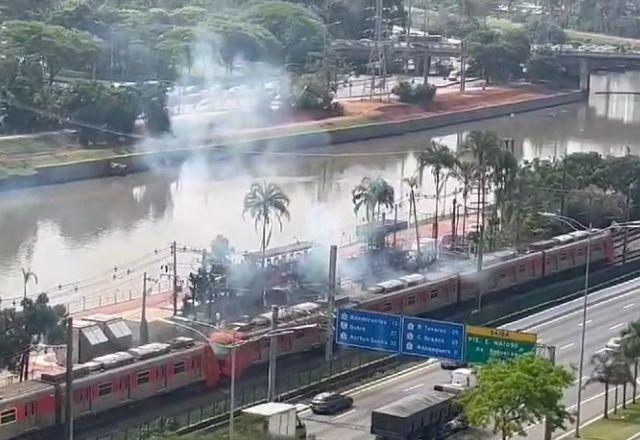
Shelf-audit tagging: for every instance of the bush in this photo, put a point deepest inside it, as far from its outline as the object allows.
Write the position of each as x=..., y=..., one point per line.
x=310, y=93
x=420, y=94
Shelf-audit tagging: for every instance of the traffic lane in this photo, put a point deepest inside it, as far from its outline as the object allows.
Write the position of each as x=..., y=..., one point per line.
x=562, y=332
x=356, y=423
x=531, y=322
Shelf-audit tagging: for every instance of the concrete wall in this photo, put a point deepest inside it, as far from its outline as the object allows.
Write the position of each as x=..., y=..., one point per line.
x=90, y=169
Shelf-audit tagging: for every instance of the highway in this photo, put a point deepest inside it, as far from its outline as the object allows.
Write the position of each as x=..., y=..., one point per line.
x=608, y=313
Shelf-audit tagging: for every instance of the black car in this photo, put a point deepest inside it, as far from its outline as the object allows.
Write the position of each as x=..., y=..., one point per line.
x=452, y=365
x=330, y=403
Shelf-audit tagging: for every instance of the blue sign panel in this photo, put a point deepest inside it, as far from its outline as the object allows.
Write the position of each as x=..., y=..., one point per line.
x=434, y=339
x=373, y=331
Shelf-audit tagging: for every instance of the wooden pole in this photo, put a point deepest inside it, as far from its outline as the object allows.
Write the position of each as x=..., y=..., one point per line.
x=144, y=326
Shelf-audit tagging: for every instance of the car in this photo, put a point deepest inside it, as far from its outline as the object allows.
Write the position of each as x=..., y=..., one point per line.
x=330, y=403
x=452, y=365
x=614, y=344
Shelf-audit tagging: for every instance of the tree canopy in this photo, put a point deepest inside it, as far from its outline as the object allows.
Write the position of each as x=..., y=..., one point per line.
x=512, y=394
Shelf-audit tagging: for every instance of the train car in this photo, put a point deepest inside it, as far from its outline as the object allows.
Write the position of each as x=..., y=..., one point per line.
x=439, y=290
x=26, y=407
x=106, y=383
x=570, y=252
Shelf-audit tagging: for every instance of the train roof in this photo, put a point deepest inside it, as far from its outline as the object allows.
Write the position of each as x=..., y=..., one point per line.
x=14, y=390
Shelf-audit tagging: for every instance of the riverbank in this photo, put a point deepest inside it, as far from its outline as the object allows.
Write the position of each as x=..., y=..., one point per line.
x=43, y=163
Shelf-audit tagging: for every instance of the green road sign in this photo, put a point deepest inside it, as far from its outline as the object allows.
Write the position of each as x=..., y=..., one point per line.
x=486, y=343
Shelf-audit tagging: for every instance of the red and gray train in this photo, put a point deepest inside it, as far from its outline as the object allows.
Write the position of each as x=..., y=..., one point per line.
x=123, y=378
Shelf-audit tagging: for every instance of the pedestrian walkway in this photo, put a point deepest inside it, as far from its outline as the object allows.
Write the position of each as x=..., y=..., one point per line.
x=622, y=426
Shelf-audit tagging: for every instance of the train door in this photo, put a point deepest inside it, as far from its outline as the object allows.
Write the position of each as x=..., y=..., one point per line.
x=162, y=377
x=125, y=388
x=83, y=400
x=30, y=415
x=284, y=344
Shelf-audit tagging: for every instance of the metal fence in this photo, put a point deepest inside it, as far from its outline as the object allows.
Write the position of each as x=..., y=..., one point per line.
x=245, y=397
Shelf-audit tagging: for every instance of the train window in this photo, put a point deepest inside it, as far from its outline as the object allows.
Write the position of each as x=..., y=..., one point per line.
x=563, y=256
x=179, y=367
x=299, y=334
x=143, y=377
x=434, y=293
x=386, y=307
x=580, y=251
x=7, y=416
x=411, y=300
x=523, y=268
x=105, y=388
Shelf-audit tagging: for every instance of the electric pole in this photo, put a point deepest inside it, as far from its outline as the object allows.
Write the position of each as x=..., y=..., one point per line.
x=273, y=355
x=144, y=327
x=68, y=402
x=174, y=251
x=548, y=431
x=331, y=295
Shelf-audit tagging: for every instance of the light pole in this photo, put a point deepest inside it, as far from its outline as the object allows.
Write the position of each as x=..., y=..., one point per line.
x=572, y=224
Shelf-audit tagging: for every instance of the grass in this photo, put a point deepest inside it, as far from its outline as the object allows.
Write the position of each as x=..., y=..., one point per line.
x=622, y=426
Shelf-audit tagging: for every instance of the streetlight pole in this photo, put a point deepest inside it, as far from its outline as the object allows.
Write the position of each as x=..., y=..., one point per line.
x=584, y=331
x=232, y=391
x=572, y=224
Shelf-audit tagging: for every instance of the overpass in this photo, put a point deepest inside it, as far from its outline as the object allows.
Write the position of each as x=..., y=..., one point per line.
x=586, y=61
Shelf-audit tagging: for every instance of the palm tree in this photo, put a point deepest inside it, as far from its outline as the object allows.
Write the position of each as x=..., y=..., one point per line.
x=372, y=195
x=483, y=149
x=631, y=350
x=465, y=172
x=609, y=369
x=412, y=183
x=505, y=169
x=27, y=275
x=440, y=158
x=265, y=203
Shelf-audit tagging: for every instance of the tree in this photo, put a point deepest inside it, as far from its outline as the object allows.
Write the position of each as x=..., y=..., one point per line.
x=496, y=56
x=413, y=182
x=512, y=394
x=266, y=203
x=609, y=369
x=371, y=195
x=296, y=27
x=440, y=159
x=220, y=251
x=465, y=172
x=631, y=350
x=545, y=31
x=55, y=46
x=27, y=275
x=594, y=206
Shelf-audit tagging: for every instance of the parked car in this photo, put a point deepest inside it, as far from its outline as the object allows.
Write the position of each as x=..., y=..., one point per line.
x=330, y=403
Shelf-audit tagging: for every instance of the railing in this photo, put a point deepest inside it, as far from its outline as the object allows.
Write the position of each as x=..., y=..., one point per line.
x=201, y=416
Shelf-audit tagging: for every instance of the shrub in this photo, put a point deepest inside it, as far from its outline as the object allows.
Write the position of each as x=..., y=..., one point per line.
x=420, y=94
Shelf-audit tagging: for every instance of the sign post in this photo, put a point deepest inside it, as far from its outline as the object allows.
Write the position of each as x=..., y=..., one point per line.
x=484, y=343
x=369, y=330
x=433, y=339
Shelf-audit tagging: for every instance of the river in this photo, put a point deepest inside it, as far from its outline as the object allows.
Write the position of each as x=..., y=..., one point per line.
x=83, y=236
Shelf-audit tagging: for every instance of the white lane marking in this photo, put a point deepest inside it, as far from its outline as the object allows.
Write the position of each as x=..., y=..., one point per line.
x=583, y=379
x=564, y=347
x=344, y=414
x=588, y=322
x=628, y=306
x=412, y=388
x=601, y=303
x=634, y=437
x=613, y=327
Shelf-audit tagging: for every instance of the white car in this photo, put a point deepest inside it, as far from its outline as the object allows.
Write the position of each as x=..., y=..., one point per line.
x=614, y=344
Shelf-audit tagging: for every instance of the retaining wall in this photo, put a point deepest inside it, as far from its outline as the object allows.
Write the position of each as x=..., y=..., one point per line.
x=137, y=162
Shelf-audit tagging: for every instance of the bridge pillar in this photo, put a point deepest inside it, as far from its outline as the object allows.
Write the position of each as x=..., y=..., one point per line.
x=418, y=63
x=585, y=75
x=426, y=68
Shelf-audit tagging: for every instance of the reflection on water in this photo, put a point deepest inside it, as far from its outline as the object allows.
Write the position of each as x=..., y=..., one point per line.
x=69, y=232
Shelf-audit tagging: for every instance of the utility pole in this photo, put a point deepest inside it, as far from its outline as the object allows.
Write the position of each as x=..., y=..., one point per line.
x=395, y=225
x=68, y=377
x=548, y=430
x=331, y=296
x=585, y=301
x=232, y=397
x=174, y=251
x=273, y=355
x=463, y=67
x=144, y=327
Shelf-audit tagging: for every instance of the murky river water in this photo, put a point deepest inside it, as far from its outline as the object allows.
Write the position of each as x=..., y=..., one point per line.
x=77, y=234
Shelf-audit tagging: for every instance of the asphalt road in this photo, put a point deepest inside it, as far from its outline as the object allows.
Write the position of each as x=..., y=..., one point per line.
x=608, y=313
